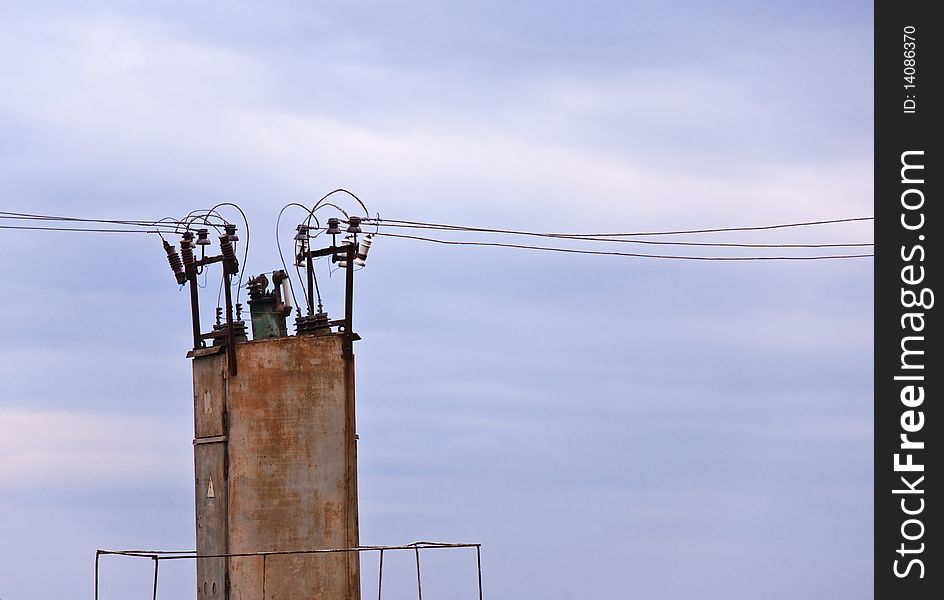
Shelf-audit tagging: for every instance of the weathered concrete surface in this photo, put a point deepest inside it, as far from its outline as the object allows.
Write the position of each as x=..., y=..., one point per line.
x=292, y=468
x=209, y=452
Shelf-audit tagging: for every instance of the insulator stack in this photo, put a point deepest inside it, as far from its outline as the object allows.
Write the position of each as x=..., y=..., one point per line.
x=230, y=262
x=316, y=324
x=186, y=252
x=175, y=263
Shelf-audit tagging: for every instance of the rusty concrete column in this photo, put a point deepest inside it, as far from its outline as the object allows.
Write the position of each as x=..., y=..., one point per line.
x=276, y=470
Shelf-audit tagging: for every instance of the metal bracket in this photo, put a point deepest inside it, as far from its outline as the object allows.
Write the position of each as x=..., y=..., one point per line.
x=216, y=439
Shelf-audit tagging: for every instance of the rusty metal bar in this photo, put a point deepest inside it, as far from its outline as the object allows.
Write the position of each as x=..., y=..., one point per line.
x=98, y=554
x=209, y=260
x=195, y=312
x=263, y=576
x=191, y=554
x=419, y=582
x=349, y=303
x=230, y=344
x=380, y=576
x=156, y=563
x=328, y=251
x=310, y=267
x=159, y=555
x=478, y=560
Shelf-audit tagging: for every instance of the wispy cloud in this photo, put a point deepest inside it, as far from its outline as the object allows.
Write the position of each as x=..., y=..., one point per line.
x=694, y=430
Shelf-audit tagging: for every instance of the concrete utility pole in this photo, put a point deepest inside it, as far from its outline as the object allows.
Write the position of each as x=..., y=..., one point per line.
x=275, y=457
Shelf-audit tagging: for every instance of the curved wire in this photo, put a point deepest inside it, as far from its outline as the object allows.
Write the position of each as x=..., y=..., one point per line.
x=242, y=271
x=278, y=244
x=204, y=214
x=341, y=191
x=331, y=204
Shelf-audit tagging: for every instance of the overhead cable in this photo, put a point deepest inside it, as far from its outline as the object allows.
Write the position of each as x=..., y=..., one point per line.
x=615, y=253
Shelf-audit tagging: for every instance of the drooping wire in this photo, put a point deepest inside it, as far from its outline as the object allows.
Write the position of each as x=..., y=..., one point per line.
x=425, y=225
x=339, y=191
x=205, y=214
x=613, y=239
x=614, y=253
x=314, y=274
x=278, y=244
x=242, y=271
x=321, y=203
x=6, y=215
x=76, y=229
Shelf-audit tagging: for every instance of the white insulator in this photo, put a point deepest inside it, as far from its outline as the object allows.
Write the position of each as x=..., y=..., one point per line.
x=342, y=262
x=362, y=249
x=286, y=292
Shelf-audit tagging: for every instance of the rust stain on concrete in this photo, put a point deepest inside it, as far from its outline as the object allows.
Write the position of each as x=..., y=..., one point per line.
x=292, y=475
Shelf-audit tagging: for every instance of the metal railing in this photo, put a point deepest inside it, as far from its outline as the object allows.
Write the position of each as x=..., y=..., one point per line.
x=161, y=555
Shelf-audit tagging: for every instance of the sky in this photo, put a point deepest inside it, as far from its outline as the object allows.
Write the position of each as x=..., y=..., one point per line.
x=606, y=427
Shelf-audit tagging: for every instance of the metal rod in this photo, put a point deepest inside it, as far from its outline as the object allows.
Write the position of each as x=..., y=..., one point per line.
x=310, y=268
x=98, y=554
x=195, y=312
x=349, y=303
x=230, y=344
x=191, y=554
x=419, y=583
x=478, y=560
x=380, y=576
x=156, y=563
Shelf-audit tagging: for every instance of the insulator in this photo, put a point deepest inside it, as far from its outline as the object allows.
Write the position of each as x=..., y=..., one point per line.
x=342, y=251
x=302, y=234
x=362, y=249
x=230, y=262
x=333, y=228
x=175, y=263
x=301, y=249
x=203, y=237
x=186, y=253
x=286, y=291
x=257, y=286
x=354, y=225
x=231, y=232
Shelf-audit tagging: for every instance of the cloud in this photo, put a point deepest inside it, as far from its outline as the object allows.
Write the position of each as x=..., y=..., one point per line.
x=592, y=421
x=64, y=451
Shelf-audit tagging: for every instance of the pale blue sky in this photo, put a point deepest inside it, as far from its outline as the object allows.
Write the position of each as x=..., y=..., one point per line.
x=606, y=427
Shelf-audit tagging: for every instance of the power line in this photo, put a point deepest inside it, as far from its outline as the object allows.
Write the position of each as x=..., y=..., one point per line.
x=87, y=230
x=425, y=225
x=611, y=238
x=169, y=224
x=166, y=223
x=615, y=253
